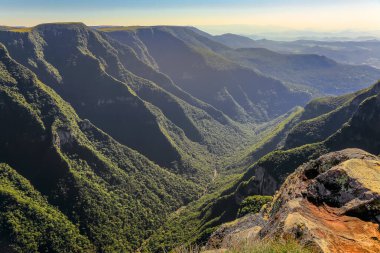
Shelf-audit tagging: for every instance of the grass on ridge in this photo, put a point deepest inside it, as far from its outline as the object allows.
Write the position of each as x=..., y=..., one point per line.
x=263, y=246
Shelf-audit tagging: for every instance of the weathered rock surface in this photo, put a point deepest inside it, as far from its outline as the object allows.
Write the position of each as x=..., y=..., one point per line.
x=236, y=232
x=331, y=204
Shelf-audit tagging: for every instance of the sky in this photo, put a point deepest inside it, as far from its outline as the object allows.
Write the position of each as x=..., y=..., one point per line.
x=212, y=15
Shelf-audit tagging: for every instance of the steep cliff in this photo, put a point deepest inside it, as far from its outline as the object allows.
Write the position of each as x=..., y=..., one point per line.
x=330, y=204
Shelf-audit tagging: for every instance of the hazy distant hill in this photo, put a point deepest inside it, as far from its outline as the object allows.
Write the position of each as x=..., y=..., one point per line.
x=235, y=41
x=306, y=72
x=312, y=72
x=193, y=63
x=350, y=52
x=365, y=51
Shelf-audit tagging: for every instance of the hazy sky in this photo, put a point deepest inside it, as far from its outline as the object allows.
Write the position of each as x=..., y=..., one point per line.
x=325, y=15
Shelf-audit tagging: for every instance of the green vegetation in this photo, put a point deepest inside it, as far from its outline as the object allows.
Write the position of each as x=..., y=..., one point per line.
x=266, y=246
x=323, y=105
x=18, y=29
x=253, y=204
x=265, y=176
x=128, y=99
x=270, y=246
x=312, y=73
x=119, y=28
x=195, y=222
x=81, y=170
x=193, y=62
x=28, y=223
x=84, y=167
x=111, y=155
x=326, y=121
x=271, y=138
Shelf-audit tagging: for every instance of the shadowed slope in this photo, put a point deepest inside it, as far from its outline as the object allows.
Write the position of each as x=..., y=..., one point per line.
x=190, y=60
x=106, y=82
x=81, y=170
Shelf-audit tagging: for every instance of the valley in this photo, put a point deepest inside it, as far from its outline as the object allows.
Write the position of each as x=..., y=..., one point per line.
x=149, y=138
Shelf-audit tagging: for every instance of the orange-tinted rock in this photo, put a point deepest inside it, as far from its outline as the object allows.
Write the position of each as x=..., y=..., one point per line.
x=331, y=204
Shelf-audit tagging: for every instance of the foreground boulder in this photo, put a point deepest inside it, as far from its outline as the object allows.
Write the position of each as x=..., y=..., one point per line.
x=331, y=204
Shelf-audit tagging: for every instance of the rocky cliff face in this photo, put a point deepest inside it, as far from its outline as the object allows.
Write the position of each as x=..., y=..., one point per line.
x=331, y=204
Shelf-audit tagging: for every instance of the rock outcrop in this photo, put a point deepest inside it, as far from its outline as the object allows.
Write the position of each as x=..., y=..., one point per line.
x=331, y=204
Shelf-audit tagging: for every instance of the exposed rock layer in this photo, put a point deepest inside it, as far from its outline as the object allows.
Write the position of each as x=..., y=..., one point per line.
x=330, y=204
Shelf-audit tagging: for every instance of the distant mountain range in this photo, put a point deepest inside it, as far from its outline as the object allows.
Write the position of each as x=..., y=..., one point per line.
x=192, y=62
x=363, y=51
x=299, y=72
x=310, y=72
